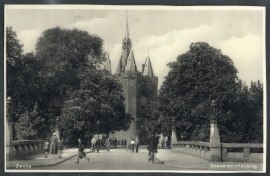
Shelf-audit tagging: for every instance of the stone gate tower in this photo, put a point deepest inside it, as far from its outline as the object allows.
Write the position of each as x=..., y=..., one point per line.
x=139, y=88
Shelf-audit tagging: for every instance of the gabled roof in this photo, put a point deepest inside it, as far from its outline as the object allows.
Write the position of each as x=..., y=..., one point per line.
x=148, y=71
x=131, y=64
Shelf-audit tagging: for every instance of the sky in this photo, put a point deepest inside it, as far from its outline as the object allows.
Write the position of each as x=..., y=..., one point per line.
x=239, y=32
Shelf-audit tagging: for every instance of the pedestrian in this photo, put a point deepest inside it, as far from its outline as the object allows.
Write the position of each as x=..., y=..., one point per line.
x=128, y=145
x=122, y=143
x=152, y=147
x=125, y=143
x=137, y=144
x=60, y=148
x=53, y=146
x=108, y=144
x=93, y=143
x=115, y=142
x=167, y=143
x=81, y=154
x=46, y=147
x=132, y=144
x=162, y=144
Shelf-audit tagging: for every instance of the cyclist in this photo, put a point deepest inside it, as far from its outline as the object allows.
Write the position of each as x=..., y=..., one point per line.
x=152, y=147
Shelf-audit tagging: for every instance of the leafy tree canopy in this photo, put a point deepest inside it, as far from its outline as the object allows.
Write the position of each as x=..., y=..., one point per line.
x=197, y=77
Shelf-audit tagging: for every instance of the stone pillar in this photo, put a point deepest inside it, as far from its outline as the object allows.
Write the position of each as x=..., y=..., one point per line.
x=57, y=131
x=215, y=146
x=9, y=129
x=174, y=139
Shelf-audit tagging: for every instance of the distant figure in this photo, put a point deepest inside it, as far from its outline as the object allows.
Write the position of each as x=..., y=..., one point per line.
x=46, y=147
x=128, y=145
x=107, y=144
x=167, y=143
x=125, y=143
x=53, y=147
x=93, y=143
x=152, y=147
x=81, y=154
x=115, y=142
x=162, y=144
x=132, y=144
x=60, y=148
x=137, y=144
x=122, y=142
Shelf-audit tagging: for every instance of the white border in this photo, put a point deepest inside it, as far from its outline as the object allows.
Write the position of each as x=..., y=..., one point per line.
x=135, y=7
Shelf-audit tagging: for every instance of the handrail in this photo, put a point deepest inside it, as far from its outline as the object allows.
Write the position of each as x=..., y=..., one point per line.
x=241, y=145
x=205, y=144
x=23, y=142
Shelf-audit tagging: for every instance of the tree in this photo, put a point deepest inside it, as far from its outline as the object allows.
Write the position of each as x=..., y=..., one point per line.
x=99, y=97
x=29, y=125
x=197, y=77
x=62, y=54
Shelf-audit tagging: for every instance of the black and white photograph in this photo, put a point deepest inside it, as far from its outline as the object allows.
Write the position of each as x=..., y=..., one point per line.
x=165, y=89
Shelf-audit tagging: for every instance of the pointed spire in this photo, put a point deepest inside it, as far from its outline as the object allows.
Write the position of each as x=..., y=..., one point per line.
x=131, y=65
x=107, y=64
x=148, y=71
x=127, y=32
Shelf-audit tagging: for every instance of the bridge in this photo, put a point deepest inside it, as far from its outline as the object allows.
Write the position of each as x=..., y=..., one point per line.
x=207, y=154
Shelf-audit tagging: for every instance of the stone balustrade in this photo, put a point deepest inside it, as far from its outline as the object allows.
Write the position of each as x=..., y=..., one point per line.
x=203, y=150
x=243, y=155
x=199, y=149
x=23, y=149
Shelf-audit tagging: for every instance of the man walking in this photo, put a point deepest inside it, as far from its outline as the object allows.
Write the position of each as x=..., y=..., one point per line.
x=137, y=144
x=53, y=147
x=152, y=147
x=81, y=153
x=93, y=143
x=132, y=144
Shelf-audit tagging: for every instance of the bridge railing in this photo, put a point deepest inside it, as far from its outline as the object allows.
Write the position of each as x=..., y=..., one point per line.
x=203, y=150
x=24, y=148
x=243, y=152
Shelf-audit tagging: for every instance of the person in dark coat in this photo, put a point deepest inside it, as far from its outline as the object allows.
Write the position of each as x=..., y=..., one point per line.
x=81, y=153
x=53, y=146
x=125, y=143
x=137, y=144
x=122, y=142
x=152, y=147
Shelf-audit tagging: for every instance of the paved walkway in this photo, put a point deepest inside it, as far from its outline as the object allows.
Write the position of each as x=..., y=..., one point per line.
x=188, y=162
x=164, y=156
x=39, y=160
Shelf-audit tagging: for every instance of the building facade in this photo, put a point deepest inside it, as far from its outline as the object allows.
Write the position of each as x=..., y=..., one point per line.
x=139, y=88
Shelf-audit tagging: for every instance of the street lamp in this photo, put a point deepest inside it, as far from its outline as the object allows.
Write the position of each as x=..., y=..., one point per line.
x=98, y=137
x=9, y=128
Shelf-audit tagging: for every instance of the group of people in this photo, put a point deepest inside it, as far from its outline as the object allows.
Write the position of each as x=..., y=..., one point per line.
x=134, y=144
x=53, y=146
x=165, y=144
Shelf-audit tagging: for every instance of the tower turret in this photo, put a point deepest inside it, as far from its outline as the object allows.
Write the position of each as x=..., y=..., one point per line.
x=147, y=68
x=107, y=64
x=131, y=64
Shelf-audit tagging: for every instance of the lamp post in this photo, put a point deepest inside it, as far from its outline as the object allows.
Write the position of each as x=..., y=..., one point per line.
x=9, y=129
x=98, y=138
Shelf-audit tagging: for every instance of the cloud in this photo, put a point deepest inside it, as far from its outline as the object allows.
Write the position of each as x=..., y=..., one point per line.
x=246, y=52
x=28, y=38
